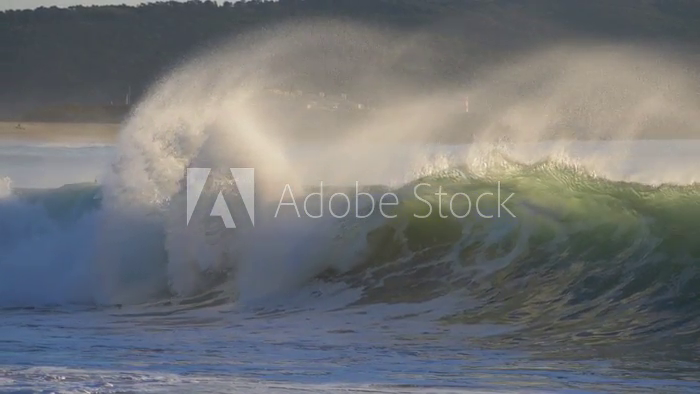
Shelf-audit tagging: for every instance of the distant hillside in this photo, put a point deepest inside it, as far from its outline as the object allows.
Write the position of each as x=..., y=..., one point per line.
x=53, y=56
x=73, y=113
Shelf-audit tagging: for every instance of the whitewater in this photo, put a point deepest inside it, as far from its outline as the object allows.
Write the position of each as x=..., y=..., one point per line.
x=590, y=286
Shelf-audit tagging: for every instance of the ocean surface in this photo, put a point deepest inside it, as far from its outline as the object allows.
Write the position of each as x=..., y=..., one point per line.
x=593, y=286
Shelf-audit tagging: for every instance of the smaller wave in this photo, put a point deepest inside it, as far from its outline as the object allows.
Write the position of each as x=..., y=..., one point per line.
x=46, y=242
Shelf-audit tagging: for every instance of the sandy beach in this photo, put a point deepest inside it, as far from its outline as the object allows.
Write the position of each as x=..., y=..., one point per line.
x=60, y=132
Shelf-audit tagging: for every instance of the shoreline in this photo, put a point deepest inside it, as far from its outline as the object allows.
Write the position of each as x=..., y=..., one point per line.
x=53, y=132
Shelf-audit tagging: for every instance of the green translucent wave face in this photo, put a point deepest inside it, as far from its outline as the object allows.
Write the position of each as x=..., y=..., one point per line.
x=605, y=259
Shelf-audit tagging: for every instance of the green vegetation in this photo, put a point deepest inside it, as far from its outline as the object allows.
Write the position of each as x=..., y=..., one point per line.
x=93, y=55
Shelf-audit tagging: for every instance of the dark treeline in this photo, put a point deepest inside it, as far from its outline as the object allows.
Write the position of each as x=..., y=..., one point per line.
x=94, y=55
